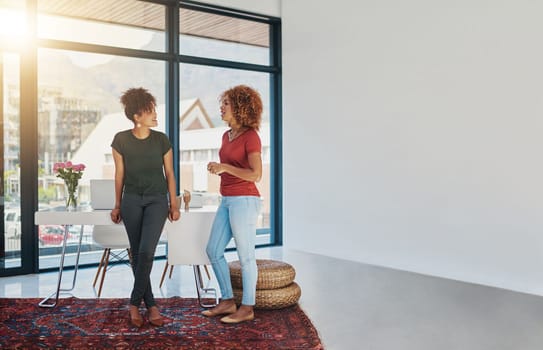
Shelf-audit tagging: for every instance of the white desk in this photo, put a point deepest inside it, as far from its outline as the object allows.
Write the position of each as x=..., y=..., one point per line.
x=65, y=218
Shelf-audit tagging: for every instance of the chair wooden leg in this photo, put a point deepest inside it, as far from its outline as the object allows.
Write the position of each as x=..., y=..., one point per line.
x=104, y=272
x=207, y=272
x=171, y=270
x=163, y=274
x=100, y=265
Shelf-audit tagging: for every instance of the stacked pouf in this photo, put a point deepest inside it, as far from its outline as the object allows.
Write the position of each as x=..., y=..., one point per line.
x=275, y=286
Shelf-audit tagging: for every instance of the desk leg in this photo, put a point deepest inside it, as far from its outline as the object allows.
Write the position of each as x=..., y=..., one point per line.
x=76, y=267
x=203, y=291
x=44, y=302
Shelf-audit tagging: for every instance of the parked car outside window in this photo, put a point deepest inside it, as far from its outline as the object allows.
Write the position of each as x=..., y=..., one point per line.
x=12, y=222
x=52, y=234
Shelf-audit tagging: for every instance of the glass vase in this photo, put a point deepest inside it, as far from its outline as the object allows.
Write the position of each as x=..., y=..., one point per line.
x=71, y=197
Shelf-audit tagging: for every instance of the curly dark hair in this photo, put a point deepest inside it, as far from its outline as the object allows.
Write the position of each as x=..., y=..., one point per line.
x=246, y=105
x=137, y=101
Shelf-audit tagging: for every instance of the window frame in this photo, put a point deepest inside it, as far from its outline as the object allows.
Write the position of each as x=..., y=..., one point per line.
x=173, y=58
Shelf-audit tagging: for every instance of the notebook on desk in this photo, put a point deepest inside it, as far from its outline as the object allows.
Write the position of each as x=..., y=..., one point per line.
x=102, y=194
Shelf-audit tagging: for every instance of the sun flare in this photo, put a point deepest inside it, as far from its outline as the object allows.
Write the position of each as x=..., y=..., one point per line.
x=12, y=26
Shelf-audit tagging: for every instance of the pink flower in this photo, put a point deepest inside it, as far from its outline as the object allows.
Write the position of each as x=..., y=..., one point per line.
x=57, y=166
x=69, y=172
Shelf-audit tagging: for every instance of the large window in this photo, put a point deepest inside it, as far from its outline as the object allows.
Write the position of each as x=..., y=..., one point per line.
x=202, y=129
x=84, y=55
x=10, y=192
x=13, y=37
x=79, y=126
x=130, y=24
x=245, y=42
x=224, y=37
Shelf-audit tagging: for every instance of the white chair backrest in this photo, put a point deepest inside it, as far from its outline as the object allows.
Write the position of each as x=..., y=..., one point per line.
x=187, y=238
x=110, y=236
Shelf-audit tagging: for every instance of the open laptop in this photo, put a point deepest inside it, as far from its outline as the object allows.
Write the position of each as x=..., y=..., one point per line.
x=102, y=194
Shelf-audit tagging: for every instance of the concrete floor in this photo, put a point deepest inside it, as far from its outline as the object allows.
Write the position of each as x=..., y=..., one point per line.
x=357, y=306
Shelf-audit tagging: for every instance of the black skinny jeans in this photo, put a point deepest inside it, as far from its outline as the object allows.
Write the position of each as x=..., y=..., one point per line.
x=143, y=217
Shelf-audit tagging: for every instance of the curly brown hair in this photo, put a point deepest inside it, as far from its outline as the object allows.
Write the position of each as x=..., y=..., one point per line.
x=137, y=101
x=246, y=105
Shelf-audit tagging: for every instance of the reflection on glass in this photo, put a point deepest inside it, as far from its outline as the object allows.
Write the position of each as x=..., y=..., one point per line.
x=78, y=114
x=13, y=26
x=222, y=37
x=201, y=129
x=10, y=244
x=122, y=23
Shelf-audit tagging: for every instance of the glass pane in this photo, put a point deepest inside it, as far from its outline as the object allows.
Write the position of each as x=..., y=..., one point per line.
x=202, y=128
x=78, y=114
x=122, y=23
x=12, y=22
x=10, y=244
x=221, y=37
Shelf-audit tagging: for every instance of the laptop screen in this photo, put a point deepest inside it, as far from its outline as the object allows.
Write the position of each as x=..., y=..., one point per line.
x=102, y=193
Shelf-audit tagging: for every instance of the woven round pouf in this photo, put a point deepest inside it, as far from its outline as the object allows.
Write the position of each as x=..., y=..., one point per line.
x=273, y=298
x=272, y=274
x=275, y=286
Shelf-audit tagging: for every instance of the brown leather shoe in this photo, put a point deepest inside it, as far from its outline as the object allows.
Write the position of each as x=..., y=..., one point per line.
x=219, y=311
x=136, y=321
x=233, y=319
x=157, y=319
x=157, y=322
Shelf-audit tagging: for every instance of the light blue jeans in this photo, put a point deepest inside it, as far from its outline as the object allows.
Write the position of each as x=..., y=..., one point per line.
x=236, y=217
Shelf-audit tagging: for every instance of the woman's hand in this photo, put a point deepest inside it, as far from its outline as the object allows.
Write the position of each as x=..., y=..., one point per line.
x=174, y=214
x=116, y=215
x=215, y=168
x=253, y=173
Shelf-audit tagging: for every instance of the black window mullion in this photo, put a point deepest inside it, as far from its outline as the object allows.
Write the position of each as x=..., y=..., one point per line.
x=226, y=64
x=173, y=85
x=28, y=140
x=103, y=49
x=276, y=150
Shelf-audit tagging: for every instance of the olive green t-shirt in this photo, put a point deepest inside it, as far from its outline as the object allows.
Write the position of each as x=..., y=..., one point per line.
x=143, y=161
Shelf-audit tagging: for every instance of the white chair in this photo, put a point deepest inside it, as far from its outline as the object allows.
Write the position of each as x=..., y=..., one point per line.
x=164, y=237
x=185, y=197
x=110, y=237
x=187, y=241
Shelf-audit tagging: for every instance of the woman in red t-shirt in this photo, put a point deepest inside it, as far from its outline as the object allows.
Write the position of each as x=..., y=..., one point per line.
x=239, y=168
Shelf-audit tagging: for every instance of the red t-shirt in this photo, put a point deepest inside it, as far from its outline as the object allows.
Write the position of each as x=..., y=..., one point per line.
x=236, y=153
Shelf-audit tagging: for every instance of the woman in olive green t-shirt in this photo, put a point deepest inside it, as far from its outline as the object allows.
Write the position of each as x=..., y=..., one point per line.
x=144, y=180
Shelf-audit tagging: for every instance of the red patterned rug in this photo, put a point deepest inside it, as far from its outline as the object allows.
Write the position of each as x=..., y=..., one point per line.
x=103, y=324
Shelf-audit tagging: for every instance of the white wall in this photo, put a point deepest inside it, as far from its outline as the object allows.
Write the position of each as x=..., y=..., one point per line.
x=413, y=136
